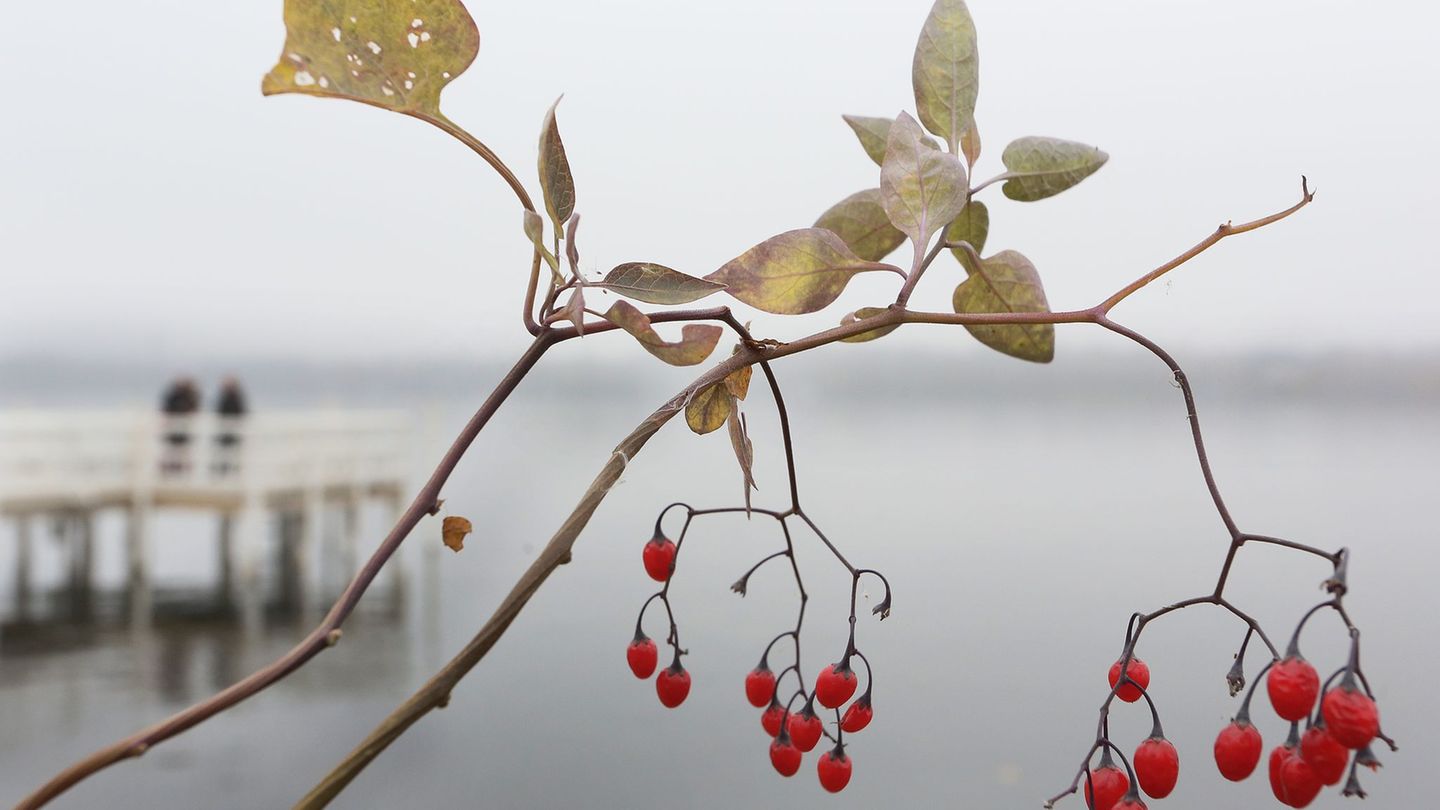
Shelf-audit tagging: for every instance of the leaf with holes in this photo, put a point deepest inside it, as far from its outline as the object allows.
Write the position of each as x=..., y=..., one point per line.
x=1007, y=282
x=946, y=71
x=696, y=342
x=860, y=315
x=795, y=272
x=744, y=449
x=453, y=530
x=922, y=189
x=860, y=221
x=1043, y=167
x=656, y=284
x=708, y=409
x=393, y=55
x=555, y=180
x=972, y=226
x=873, y=134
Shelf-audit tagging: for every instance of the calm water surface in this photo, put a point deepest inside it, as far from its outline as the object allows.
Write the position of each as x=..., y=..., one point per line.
x=1018, y=532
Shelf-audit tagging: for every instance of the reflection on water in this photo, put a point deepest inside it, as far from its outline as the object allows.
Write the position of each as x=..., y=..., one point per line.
x=1018, y=533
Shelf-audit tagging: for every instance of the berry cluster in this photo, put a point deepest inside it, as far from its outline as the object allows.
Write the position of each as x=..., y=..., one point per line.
x=1340, y=720
x=794, y=724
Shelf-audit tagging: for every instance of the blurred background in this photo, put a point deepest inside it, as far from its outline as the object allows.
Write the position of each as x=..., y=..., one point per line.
x=359, y=274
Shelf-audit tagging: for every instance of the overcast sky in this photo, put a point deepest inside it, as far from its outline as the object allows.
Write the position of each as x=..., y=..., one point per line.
x=152, y=203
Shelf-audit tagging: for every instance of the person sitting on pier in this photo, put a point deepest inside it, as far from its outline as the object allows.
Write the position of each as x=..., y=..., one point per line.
x=230, y=411
x=179, y=404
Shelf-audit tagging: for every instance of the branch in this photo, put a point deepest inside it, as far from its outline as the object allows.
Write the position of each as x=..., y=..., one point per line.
x=436, y=691
x=328, y=632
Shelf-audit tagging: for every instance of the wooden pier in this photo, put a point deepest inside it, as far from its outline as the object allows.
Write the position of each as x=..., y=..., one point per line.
x=278, y=480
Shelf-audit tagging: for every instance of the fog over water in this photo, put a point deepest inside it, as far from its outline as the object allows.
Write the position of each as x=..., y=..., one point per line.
x=1020, y=512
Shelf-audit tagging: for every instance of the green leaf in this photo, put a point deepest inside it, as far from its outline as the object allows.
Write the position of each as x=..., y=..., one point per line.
x=708, y=409
x=656, y=284
x=873, y=134
x=794, y=272
x=860, y=221
x=1044, y=167
x=696, y=342
x=860, y=315
x=390, y=54
x=922, y=189
x=972, y=226
x=1007, y=282
x=535, y=231
x=946, y=71
x=555, y=180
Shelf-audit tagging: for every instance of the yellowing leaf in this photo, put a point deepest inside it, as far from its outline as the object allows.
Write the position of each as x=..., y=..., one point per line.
x=708, y=409
x=1007, y=282
x=874, y=133
x=453, y=530
x=922, y=189
x=744, y=450
x=737, y=382
x=657, y=284
x=972, y=226
x=860, y=315
x=396, y=55
x=555, y=180
x=946, y=71
x=696, y=342
x=1044, y=167
x=860, y=221
x=795, y=272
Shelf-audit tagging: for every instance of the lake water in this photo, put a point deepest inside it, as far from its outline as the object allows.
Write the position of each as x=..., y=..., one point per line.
x=1018, y=526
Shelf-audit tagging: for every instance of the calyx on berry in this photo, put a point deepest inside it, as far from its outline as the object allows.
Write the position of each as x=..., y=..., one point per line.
x=1137, y=671
x=835, y=684
x=659, y=557
x=642, y=655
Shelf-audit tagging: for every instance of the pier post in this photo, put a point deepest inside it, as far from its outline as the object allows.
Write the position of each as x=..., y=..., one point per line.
x=81, y=525
x=311, y=531
x=137, y=550
x=251, y=534
x=228, y=564
x=23, y=551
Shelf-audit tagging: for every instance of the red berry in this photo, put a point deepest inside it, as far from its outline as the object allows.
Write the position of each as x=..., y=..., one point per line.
x=1157, y=766
x=1293, y=685
x=785, y=756
x=1299, y=781
x=659, y=557
x=773, y=718
x=834, y=768
x=673, y=685
x=1278, y=758
x=835, y=684
x=1130, y=803
x=805, y=729
x=760, y=686
x=642, y=656
x=1351, y=716
x=1138, y=672
x=1111, y=784
x=1237, y=750
x=858, y=716
x=1323, y=753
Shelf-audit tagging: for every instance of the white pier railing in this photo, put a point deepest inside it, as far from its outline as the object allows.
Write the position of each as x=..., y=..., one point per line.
x=75, y=463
